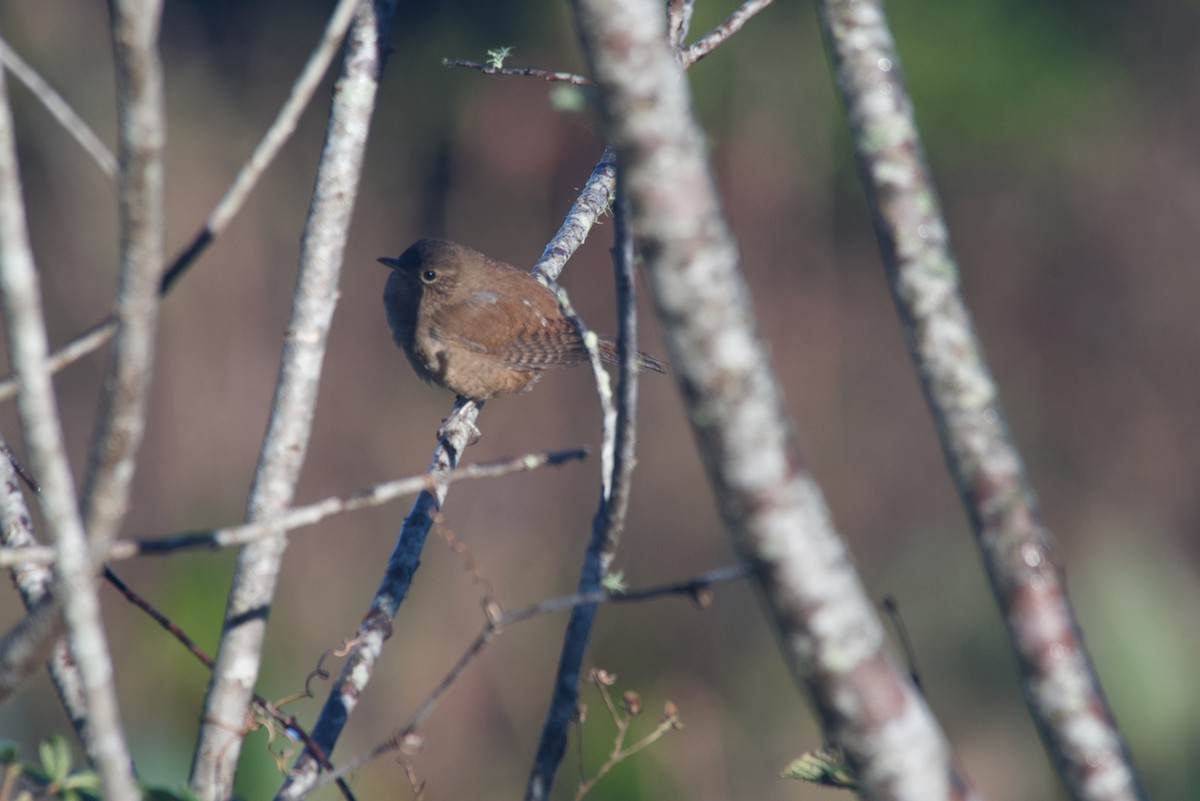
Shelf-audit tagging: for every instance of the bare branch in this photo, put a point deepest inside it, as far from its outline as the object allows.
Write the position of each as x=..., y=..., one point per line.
x=679, y=21
x=524, y=72
x=593, y=201
x=300, y=516
x=27, y=645
x=142, y=129
x=770, y=503
x=454, y=435
x=627, y=371
x=718, y=35
x=36, y=405
x=608, y=523
x=268, y=708
x=234, y=197
x=273, y=140
x=1060, y=684
x=59, y=109
x=696, y=587
x=322, y=247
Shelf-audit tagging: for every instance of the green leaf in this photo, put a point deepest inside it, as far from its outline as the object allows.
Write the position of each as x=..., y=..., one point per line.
x=87, y=781
x=497, y=56
x=56, y=757
x=615, y=582
x=825, y=767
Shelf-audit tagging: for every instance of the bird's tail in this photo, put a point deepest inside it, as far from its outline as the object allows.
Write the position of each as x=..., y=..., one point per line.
x=608, y=352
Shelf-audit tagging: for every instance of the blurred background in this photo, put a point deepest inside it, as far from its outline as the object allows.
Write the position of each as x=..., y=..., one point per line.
x=1063, y=138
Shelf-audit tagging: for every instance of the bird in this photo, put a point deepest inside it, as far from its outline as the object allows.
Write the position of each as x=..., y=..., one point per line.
x=480, y=327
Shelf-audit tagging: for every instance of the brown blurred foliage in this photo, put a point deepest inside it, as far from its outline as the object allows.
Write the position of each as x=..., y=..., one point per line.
x=1065, y=149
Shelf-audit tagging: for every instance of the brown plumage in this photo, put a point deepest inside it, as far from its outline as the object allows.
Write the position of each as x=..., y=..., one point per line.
x=478, y=326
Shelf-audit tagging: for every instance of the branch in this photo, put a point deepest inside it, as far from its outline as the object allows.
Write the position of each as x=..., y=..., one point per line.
x=593, y=201
x=272, y=710
x=609, y=520
x=300, y=516
x=720, y=34
x=234, y=197
x=1059, y=681
x=59, y=109
x=142, y=133
x=453, y=437
x=770, y=503
x=699, y=588
x=523, y=72
x=37, y=407
x=322, y=246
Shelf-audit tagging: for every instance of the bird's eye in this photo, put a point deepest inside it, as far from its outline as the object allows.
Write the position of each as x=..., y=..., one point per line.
x=429, y=276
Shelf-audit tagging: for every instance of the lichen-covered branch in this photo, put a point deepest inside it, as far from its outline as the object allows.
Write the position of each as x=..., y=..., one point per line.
x=37, y=407
x=832, y=638
x=1060, y=684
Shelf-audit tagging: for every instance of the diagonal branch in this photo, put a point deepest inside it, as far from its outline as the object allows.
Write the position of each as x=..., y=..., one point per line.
x=59, y=109
x=322, y=246
x=831, y=637
x=234, y=197
x=608, y=522
x=455, y=434
x=1060, y=683
x=37, y=407
x=720, y=34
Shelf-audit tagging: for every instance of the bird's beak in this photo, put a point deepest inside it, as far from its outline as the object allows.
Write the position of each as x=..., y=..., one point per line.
x=390, y=263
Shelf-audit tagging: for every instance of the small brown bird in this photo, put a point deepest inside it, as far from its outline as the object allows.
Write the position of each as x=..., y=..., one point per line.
x=477, y=326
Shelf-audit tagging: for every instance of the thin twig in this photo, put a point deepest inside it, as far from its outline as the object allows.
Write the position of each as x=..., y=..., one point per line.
x=770, y=504
x=322, y=246
x=37, y=407
x=623, y=720
x=1061, y=686
x=181, y=636
x=608, y=411
x=26, y=646
x=234, y=197
x=627, y=369
x=300, y=516
x=618, y=427
x=281, y=130
x=59, y=109
x=141, y=117
x=720, y=34
x=525, y=72
x=697, y=587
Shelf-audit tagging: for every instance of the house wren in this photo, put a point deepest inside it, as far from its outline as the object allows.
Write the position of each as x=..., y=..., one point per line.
x=477, y=326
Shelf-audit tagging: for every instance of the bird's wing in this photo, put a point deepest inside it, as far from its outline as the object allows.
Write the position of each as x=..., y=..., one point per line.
x=532, y=336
